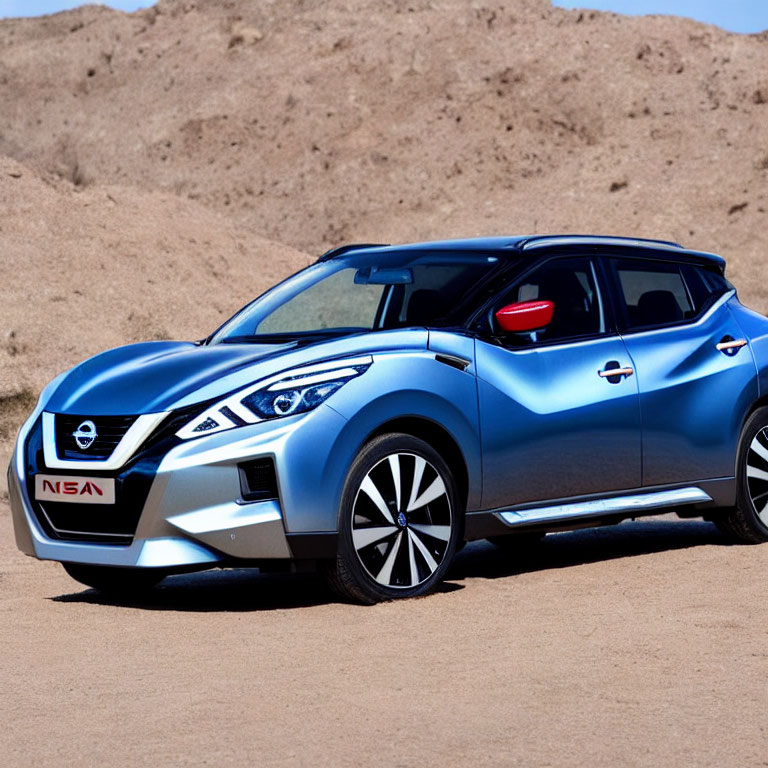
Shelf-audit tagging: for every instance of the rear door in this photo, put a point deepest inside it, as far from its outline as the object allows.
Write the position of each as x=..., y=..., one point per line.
x=694, y=368
x=554, y=424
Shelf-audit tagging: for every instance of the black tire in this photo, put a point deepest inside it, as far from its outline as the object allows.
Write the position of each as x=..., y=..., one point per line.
x=395, y=540
x=747, y=522
x=123, y=581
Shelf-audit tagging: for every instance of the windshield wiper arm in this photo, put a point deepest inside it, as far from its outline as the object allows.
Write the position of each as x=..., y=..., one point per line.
x=297, y=337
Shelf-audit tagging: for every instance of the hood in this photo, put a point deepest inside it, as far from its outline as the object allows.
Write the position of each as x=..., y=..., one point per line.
x=162, y=375
x=150, y=377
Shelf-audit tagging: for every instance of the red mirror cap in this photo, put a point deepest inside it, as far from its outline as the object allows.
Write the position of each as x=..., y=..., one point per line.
x=525, y=316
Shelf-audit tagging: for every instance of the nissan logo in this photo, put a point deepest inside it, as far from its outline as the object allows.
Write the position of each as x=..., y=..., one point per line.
x=85, y=435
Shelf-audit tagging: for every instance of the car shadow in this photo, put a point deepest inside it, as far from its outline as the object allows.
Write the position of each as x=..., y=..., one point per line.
x=563, y=550
x=232, y=589
x=246, y=590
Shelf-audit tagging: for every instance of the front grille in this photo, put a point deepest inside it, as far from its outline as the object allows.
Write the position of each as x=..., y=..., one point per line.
x=104, y=523
x=110, y=431
x=258, y=481
x=110, y=524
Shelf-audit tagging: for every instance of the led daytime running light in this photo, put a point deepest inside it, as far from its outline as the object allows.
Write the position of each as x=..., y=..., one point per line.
x=296, y=391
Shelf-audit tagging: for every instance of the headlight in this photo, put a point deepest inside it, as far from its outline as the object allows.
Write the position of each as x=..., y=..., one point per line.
x=295, y=391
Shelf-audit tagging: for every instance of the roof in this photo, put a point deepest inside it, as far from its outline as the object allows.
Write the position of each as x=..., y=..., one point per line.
x=465, y=244
x=521, y=244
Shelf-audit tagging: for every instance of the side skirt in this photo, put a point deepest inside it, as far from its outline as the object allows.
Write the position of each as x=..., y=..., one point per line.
x=567, y=514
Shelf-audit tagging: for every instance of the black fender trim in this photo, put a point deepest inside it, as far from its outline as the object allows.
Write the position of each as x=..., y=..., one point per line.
x=313, y=546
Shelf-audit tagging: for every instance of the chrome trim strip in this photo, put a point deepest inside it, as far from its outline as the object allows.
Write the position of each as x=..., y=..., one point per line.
x=638, y=502
x=139, y=431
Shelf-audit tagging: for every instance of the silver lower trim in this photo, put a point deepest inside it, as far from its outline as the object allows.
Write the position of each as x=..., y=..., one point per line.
x=639, y=503
x=253, y=530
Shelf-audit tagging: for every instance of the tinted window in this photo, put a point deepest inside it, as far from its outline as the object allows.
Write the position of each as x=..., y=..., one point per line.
x=656, y=293
x=320, y=306
x=436, y=291
x=368, y=291
x=571, y=285
x=706, y=286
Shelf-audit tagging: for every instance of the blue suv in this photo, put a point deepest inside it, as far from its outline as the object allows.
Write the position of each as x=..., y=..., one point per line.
x=373, y=412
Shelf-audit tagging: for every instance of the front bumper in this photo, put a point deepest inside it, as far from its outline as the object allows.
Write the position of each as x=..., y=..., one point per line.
x=194, y=514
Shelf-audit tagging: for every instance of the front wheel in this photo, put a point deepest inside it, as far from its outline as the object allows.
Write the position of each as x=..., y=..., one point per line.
x=399, y=521
x=123, y=581
x=747, y=522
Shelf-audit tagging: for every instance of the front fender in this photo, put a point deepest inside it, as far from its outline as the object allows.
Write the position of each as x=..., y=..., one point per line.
x=399, y=386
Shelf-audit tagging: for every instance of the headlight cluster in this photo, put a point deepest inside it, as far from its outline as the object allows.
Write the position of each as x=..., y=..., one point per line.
x=269, y=405
x=288, y=393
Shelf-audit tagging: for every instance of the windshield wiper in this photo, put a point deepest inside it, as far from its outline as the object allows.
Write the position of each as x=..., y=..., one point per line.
x=272, y=339
x=297, y=337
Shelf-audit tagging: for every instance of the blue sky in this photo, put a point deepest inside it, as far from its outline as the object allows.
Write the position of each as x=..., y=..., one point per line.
x=736, y=15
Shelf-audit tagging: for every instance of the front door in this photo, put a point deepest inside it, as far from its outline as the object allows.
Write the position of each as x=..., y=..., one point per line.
x=554, y=422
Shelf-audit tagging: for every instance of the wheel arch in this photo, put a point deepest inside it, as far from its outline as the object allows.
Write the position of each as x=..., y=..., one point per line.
x=761, y=402
x=439, y=438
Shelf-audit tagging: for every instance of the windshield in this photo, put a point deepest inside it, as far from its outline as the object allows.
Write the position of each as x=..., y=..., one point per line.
x=366, y=292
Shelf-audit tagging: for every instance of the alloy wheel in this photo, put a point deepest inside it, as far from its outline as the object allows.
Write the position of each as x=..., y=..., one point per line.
x=402, y=521
x=757, y=474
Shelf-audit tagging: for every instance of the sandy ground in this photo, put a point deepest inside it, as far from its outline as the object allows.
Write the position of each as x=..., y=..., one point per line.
x=641, y=645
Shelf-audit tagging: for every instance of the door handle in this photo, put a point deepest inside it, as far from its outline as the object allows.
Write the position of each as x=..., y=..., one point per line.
x=613, y=372
x=616, y=372
x=730, y=346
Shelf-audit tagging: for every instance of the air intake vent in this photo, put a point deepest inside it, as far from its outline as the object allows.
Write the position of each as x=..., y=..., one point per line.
x=113, y=524
x=258, y=481
x=109, y=432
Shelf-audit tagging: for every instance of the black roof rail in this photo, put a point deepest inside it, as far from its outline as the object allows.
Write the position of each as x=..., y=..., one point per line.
x=334, y=252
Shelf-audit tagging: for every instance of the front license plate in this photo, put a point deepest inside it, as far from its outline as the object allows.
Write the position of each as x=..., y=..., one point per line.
x=77, y=490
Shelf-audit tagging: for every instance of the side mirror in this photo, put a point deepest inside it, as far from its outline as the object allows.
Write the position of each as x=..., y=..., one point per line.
x=525, y=316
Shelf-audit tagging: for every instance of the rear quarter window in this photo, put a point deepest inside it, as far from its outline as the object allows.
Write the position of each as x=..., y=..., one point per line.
x=658, y=293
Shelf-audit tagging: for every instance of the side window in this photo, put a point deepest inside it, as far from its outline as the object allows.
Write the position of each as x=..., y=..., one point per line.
x=705, y=286
x=659, y=293
x=571, y=285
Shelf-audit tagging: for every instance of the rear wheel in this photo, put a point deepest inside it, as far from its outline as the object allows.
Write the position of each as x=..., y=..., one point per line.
x=115, y=580
x=747, y=522
x=399, y=522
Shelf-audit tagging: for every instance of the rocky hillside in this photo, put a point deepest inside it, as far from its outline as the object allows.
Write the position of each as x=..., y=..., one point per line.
x=316, y=123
